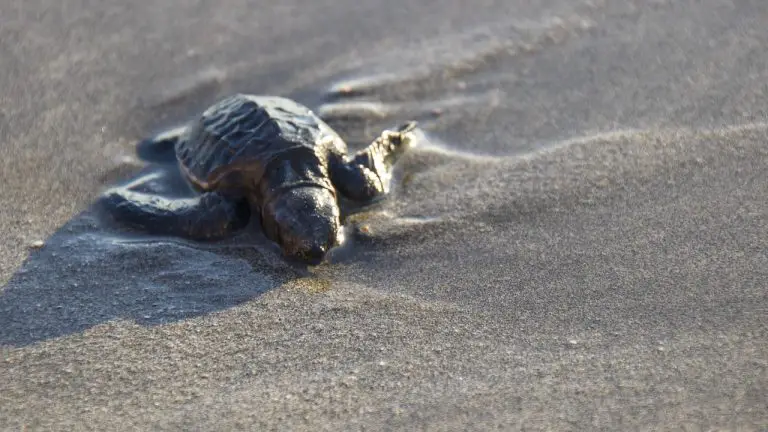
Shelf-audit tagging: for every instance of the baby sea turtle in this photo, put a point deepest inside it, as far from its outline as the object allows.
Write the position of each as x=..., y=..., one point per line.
x=266, y=156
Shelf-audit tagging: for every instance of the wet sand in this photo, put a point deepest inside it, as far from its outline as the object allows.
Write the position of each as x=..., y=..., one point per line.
x=578, y=242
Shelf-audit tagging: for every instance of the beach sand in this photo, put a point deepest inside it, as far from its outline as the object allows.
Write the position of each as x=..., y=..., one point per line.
x=578, y=242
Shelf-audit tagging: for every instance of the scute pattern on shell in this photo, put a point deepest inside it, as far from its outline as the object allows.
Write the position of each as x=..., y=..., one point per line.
x=245, y=132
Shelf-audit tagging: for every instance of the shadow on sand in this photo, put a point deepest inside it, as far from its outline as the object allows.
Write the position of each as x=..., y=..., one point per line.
x=91, y=271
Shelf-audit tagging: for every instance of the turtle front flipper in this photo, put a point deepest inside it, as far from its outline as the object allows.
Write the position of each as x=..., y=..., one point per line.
x=367, y=174
x=209, y=216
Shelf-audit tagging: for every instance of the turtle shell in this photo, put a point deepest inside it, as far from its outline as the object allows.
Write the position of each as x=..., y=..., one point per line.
x=233, y=141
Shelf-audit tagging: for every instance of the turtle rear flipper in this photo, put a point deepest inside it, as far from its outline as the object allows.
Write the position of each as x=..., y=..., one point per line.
x=209, y=216
x=160, y=148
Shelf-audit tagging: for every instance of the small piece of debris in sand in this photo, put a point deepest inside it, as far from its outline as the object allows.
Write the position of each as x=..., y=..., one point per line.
x=37, y=244
x=125, y=160
x=572, y=342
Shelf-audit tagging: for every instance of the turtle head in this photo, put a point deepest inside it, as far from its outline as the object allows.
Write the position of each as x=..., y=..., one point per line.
x=304, y=221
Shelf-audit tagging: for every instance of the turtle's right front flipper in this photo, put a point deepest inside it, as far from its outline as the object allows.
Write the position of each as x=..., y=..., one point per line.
x=161, y=148
x=208, y=216
x=366, y=176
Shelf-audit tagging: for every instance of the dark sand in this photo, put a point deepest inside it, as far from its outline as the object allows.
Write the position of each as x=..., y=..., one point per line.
x=578, y=244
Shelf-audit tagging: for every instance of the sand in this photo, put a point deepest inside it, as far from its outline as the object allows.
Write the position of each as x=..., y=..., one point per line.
x=577, y=243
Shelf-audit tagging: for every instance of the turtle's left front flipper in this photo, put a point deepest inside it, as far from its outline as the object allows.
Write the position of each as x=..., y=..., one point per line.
x=209, y=216
x=367, y=174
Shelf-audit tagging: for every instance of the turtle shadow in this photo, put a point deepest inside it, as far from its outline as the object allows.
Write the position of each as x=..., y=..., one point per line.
x=91, y=271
